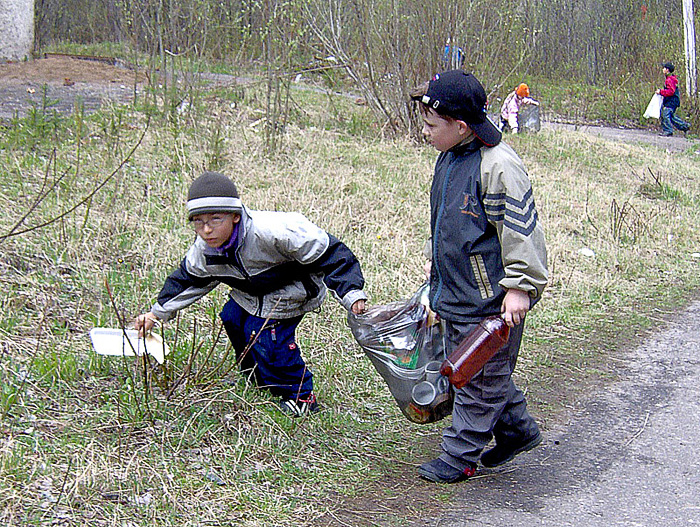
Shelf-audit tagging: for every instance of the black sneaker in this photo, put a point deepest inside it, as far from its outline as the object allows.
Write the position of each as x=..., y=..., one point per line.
x=503, y=453
x=299, y=407
x=440, y=472
x=666, y=134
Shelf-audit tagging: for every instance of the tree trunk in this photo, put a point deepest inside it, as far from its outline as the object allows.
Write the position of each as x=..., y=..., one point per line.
x=16, y=29
x=689, y=32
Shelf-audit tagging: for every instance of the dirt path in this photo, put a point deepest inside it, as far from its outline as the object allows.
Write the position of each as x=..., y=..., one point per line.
x=677, y=143
x=59, y=83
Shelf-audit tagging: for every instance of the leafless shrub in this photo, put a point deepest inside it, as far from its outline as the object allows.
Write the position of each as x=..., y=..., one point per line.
x=626, y=223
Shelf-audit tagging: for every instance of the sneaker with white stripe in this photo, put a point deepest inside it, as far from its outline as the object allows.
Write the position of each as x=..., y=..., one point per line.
x=299, y=407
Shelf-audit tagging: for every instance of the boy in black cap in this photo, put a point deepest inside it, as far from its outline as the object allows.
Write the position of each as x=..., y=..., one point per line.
x=672, y=101
x=488, y=257
x=278, y=265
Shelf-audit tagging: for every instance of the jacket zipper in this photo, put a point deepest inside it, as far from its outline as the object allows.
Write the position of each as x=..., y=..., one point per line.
x=239, y=265
x=441, y=210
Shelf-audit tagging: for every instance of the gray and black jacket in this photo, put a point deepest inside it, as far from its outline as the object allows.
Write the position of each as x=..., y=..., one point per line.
x=280, y=267
x=486, y=237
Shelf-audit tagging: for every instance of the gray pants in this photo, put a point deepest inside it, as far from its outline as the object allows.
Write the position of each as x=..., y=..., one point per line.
x=488, y=406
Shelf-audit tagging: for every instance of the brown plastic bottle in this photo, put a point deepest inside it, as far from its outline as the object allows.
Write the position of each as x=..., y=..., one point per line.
x=482, y=343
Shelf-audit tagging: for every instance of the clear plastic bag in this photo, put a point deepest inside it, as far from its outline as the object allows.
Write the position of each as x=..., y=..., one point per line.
x=405, y=343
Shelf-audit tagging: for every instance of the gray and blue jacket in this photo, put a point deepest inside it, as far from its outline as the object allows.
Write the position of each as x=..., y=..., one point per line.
x=279, y=267
x=486, y=237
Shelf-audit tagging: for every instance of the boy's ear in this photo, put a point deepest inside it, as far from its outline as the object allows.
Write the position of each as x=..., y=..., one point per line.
x=236, y=218
x=463, y=127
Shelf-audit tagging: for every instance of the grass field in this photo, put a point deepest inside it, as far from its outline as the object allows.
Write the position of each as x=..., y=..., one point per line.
x=94, y=220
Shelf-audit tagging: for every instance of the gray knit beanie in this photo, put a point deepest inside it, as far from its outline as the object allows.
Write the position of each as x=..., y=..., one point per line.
x=212, y=192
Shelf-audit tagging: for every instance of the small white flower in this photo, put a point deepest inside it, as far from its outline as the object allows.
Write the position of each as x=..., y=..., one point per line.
x=143, y=499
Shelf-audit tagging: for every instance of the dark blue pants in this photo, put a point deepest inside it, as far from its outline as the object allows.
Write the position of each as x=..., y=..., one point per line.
x=669, y=119
x=275, y=359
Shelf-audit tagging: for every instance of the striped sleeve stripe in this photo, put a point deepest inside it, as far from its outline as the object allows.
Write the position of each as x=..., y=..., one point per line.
x=525, y=230
x=518, y=215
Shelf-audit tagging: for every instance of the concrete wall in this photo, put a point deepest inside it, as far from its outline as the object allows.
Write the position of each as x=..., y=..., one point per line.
x=16, y=29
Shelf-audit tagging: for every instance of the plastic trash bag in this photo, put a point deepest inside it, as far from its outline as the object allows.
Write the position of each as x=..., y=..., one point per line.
x=405, y=343
x=529, y=118
x=653, y=110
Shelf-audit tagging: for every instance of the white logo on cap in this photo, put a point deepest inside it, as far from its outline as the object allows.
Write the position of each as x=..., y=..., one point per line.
x=426, y=100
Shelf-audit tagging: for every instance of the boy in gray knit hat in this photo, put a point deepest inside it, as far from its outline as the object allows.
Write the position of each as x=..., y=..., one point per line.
x=279, y=266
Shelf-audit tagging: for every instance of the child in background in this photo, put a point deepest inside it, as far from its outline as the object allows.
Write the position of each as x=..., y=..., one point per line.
x=452, y=56
x=278, y=265
x=488, y=257
x=672, y=101
x=511, y=107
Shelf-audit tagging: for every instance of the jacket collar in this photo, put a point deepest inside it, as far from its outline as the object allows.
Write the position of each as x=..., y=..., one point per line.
x=467, y=147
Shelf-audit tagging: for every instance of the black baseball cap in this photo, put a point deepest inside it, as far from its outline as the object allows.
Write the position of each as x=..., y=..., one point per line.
x=461, y=96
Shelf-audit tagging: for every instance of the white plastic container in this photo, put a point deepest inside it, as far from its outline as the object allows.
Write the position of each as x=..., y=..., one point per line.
x=127, y=343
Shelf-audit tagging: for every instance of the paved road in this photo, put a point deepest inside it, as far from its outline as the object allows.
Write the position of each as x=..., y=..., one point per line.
x=677, y=143
x=629, y=455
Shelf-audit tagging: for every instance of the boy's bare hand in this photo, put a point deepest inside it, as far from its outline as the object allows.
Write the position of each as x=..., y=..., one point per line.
x=144, y=323
x=515, y=306
x=359, y=307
